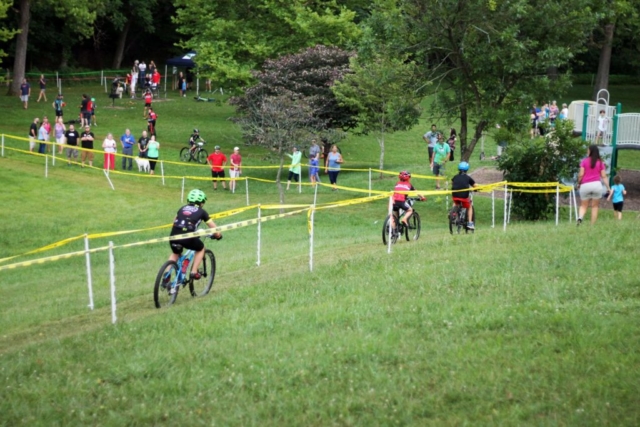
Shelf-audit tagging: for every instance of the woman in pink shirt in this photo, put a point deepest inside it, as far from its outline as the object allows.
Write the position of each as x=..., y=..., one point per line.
x=590, y=179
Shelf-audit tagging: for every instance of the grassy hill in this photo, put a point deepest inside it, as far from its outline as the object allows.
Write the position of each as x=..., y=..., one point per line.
x=535, y=325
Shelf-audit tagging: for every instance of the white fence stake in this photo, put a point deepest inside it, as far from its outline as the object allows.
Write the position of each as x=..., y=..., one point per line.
x=162, y=170
x=182, y=194
x=259, y=231
x=106, y=174
x=570, y=205
x=506, y=199
x=102, y=77
x=311, y=224
x=112, y=280
x=557, y=203
x=246, y=186
x=446, y=198
x=315, y=194
x=575, y=202
x=87, y=257
x=493, y=208
x=510, y=205
x=390, y=227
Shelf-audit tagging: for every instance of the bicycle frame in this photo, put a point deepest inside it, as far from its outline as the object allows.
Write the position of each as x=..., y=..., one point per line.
x=184, y=269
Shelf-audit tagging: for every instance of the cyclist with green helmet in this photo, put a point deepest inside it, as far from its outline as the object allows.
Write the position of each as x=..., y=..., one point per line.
x=187, y=220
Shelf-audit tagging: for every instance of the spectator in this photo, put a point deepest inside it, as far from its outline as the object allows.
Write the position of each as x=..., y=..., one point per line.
x=59, y=130
x=134, y=78
x=590, y=178
x=533, y=114
x=33, y=134
x=43, y=135
x=86, y=141
x=554, y=112
x=564, y=113
x=43, y=88
x=616, y=195
x=431, y=138
x=314, y=150
x=127, y=141
x=142, y=72
x=182, y=84
x=441, y=153
x=236, y=168
x=25, y=93
x=453, y=137
x=152, y=67
x=217, y=160
x=332, y=166
x=58, y=105
x=109, y=146
x=153, y=154
x=143, y=145
x=155, y=80
x=85, y=110
x=314, y=168
x=294, y=169
x=72, y=143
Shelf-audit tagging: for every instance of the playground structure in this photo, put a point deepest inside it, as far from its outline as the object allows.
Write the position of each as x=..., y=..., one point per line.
x=623, y=130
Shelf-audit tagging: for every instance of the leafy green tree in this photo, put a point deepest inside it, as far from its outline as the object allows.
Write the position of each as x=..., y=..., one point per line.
x=232, y=38
x=488, y=58
x=550, y=158
x=6, y=34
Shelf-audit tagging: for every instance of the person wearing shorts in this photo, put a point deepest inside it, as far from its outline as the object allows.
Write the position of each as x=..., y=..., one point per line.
x=86, y=141
x=72, y=137
x=217, y=160
x=33, y=134
x=236, y=168
x=58, y=105
x=590, y=178
x=187, y=220
x=460, y=185
x=441, y=153
x=616, y=195
x=400, y=190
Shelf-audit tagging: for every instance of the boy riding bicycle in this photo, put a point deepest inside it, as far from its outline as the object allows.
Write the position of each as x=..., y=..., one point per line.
x=187, y=220
x=195, y=137
x=460, y=183
x=400, y=197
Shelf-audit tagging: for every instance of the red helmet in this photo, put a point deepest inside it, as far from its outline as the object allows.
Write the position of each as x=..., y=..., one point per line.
x=405, y=176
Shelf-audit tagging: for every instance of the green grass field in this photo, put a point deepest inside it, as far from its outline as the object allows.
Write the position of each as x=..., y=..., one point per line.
x=538, y=325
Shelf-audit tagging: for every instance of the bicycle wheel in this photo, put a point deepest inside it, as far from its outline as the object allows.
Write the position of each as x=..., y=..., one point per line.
x=207, y=269
x=453, y=218
x=413, y=230
x=462, y=220
x=166, y=279
x=201, y=157
x=185, y=156
x=385, y=231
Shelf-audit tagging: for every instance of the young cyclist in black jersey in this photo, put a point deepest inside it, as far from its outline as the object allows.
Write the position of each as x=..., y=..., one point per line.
x=195, y=137
x=187, y=220
x=462, y=182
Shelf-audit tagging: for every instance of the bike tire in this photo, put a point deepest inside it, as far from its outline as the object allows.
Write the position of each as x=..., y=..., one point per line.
x=385, y=231
x=453, y=218
x=201, y=157
x=200, y=288
x=185, y=155
x=412, y=232
x=165, y=280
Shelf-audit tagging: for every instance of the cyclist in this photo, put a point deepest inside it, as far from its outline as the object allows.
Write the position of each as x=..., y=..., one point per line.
x=195, y=137
x=187, y=220
x=460, y=183
x=400, y=197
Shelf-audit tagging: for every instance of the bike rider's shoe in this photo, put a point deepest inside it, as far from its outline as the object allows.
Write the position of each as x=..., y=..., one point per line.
x=579, y=221
x=196, y=276
x=471, y=226
x=174, y=290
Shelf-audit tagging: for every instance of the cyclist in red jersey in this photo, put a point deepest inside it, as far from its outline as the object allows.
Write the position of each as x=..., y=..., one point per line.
x=400, y=196
x=460, y=183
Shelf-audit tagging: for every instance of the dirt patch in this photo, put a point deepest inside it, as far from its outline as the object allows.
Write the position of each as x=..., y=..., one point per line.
x=630, y=179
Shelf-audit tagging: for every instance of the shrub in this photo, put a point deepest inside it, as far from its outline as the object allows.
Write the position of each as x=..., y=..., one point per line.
x=542, y=159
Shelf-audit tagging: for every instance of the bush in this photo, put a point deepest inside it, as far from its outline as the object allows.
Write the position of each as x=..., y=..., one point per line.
x=542, y=159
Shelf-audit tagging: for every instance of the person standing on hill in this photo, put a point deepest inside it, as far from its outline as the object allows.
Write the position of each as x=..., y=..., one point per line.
x=235, y=169
x=86, y=140
x=431, y=138
x=43, y=88
x=153, y=154
x=109, y=146
x=33, y=134
x=127, y=141
x=591, y=176
x=294, y=169
x=58, y=105
x=217, y=160
x=72, y=136
x=25, y=93
x=332, y=164
x=143, y=145
x=441, y=153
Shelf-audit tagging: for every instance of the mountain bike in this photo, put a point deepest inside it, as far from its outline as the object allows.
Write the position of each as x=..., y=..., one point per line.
x=174, y=274
x=198, y=154
x=411, y=231
x=458, y=218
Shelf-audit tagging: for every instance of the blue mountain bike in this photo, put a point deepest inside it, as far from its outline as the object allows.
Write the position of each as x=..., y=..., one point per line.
x=174, y=274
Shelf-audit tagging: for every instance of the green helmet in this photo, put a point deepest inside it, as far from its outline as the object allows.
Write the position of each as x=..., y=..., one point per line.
x=196, y=196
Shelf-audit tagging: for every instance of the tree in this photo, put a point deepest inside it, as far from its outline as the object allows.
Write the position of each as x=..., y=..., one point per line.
x=309, y=74
x=77, y=15
x=233, y=38
x=6, y=34
x=277, y=123
x=489, y=58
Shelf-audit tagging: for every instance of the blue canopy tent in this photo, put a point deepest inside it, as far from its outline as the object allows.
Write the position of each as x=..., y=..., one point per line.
x=185, y=60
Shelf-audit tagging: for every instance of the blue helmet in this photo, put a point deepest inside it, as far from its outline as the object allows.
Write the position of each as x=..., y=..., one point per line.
x=463, y=166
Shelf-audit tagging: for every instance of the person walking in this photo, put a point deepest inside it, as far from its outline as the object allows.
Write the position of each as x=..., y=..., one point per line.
x=591, y=176
x=127, y=141
x=431, y=138
x=616, y=195
x=109, y=146
x=441, y=153
x=43, y=88
x=153, y=153
x=294, y=169
x=59, y=130
x=332, y=166
x=25, y=93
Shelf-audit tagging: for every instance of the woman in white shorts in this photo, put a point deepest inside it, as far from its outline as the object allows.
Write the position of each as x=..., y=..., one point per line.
x=59, y=131
x=592, y=175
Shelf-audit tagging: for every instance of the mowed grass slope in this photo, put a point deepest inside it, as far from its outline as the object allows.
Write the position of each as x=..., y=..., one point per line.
x=536, y=325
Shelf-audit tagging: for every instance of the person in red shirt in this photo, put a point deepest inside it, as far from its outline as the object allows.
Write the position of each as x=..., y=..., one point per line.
x=400, y=197
x=235, y=169
x=217, y=160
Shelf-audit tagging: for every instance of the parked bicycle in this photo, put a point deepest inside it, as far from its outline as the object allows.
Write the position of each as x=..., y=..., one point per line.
x=174, y=274
x=411, y=231
x=458, y=219
x=197, y=154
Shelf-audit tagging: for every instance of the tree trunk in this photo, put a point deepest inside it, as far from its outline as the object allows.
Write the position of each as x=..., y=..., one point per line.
x=476, y=137
x=602, y=78
x=122, y=40
x=464, y=123
x=21, y=48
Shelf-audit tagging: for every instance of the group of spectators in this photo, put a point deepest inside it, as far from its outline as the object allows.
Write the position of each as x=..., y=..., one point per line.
x=144, y=77
x=545, y=117
x=25, y=91
x=440, y=151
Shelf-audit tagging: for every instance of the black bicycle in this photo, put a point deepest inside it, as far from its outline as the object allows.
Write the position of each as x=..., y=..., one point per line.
x=458, y=219
x=411, y=231
x=197, y=154
x=174, y=274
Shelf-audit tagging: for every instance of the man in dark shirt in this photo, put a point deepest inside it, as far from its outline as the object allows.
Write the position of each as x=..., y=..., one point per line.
x=25, y=93
x=86, y=141
x=33, y=134
x=461, y=184
x=72, y=136
x=85, y=112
